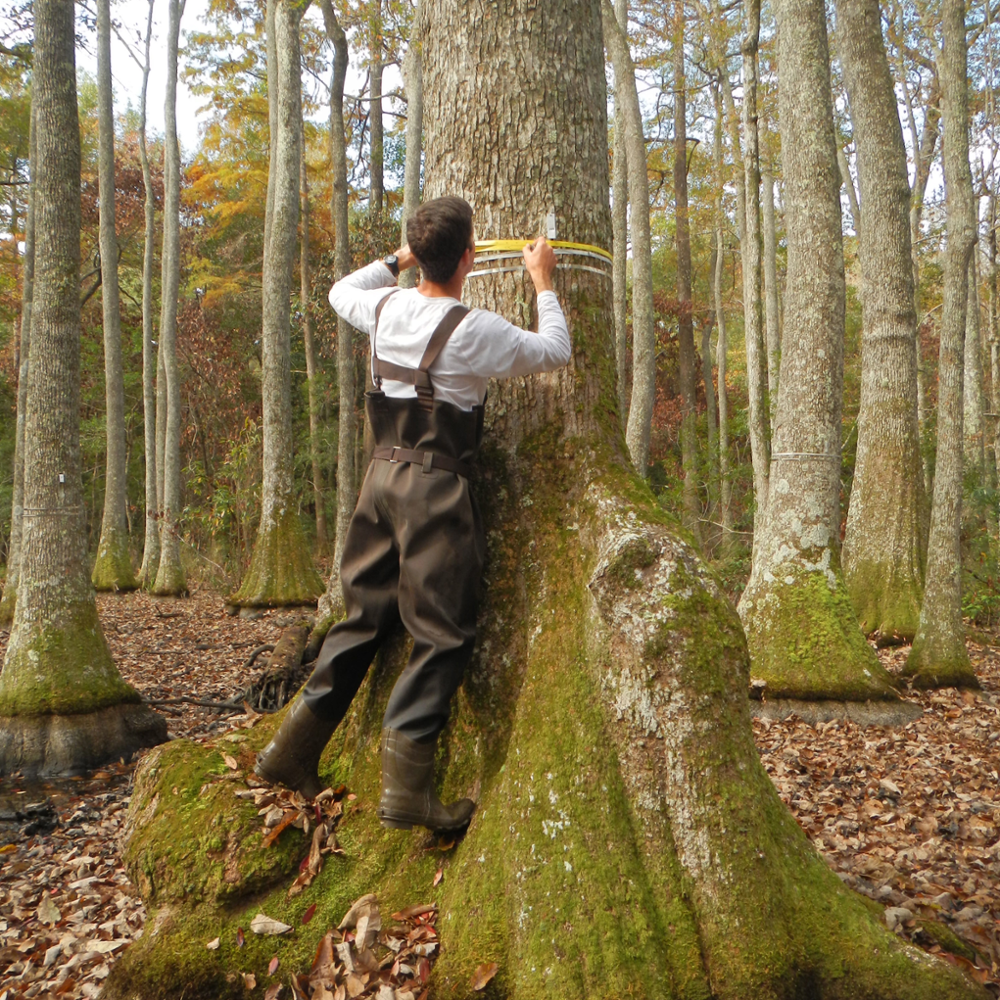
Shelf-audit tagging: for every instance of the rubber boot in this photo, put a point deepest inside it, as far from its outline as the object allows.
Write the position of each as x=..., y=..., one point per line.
x=408, y=796
x=292, y=757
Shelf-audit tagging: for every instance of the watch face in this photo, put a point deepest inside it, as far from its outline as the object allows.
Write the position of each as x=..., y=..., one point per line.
x=392, y=262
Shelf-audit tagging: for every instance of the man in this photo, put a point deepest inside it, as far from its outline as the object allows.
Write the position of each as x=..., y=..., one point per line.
x=415, y=544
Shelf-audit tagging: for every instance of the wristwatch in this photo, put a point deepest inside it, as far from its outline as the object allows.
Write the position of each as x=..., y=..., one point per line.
x=392, y=262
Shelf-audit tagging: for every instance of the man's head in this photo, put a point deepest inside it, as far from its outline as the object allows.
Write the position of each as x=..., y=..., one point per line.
x=439, y=233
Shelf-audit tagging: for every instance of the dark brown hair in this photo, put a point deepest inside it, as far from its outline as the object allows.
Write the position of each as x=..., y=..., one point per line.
x=438, y=233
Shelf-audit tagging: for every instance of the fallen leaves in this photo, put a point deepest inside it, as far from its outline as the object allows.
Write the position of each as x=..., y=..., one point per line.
x=483, y=975
x=262, y=924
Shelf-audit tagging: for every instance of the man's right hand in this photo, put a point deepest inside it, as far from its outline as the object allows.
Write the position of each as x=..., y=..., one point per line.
x=540, y=260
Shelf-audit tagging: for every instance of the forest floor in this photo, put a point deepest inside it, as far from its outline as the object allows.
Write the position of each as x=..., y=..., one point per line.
x=908, y=815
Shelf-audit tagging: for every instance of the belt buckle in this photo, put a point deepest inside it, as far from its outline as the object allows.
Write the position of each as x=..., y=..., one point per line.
x=392, y=459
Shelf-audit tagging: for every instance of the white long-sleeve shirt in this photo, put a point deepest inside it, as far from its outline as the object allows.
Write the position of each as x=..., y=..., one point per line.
x=483, y=346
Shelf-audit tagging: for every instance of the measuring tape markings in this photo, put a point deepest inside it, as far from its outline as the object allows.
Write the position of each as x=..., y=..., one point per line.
x=499, y=250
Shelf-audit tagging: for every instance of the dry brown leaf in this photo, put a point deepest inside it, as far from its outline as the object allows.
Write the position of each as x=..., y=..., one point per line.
x=251, y=980
x=213, y=945
x=483, y=975
x=231, y=762
x=286, y=821
x=438, y=876
x=263, y=924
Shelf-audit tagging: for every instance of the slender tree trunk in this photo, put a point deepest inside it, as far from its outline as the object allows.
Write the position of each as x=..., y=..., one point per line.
x=722, y=349
x=685, y=321
x=413, y=80
x=113, y=568
x=772, y=307
x=332, y=602
x=801, y=629
x=312, y=374
x=9, y=598
x=619, y=227
x=753, y=319
x=271, y=55
x=151, y=548
x=852, y=192
x=640, y=412
x=627, y=841
x=281, y=569
x=161, y=423
x=63, y=705
x=994, y=331
x=884, y=548
x=377, y=166
x=938, y=657
x=169, y=571
x=972, y=413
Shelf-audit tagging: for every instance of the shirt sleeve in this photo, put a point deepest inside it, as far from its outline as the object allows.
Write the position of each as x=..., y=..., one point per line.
x=501, y=349
x=355, y=297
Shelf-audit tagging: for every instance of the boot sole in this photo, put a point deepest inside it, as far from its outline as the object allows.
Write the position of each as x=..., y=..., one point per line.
x=396, y=824
x=393, y=823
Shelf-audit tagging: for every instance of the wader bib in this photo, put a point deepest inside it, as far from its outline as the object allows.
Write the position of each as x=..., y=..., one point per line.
x=414, y=550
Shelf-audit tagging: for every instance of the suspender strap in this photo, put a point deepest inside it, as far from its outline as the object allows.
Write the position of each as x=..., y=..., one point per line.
x=428, y=459
x=418, y=377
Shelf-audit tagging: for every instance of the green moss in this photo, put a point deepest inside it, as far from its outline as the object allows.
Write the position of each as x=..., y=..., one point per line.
x=948, y=939
x=61, y=666
x=113, y=568
x=938, y=661
x=805, y=642
x=7, y=602
x=885, y=599
x=281, y=569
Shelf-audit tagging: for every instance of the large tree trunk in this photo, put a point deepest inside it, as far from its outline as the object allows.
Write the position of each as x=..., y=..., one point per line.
x=281, y=569
x=938, y=657
x=627, y=841
x=332, y=602
x=750, y=242
x=640, y=412
x=312, y=373
x=619, y=231
x=802, y=631
x=113, y=568
x=884, y=545
x=151, y=548
x=413, y=80
x=169, y=571
x=9, y=598
x=685, y=321
x=772, y=305
x=63, y=705
x=972, y=411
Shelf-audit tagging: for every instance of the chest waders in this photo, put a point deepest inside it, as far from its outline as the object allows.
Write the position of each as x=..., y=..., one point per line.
x=414, y=551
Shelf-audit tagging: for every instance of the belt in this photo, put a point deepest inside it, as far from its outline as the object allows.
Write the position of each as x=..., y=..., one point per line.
x=427, y=459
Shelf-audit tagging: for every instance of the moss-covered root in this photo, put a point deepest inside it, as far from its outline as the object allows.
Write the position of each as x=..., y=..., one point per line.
x=937, y=660
x=281, y=570
x=804, y=638
x=43, y=746
x=886, y=599
x=170, y=580
x=113, y=567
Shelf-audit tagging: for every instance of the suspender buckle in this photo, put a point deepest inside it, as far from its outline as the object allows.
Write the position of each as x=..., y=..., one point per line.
x=392, y=457
x=428, y=463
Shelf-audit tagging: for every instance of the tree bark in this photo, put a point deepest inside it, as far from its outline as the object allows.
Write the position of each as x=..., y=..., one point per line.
x=884, y=550
x=113, y=567
x=627, y=840
x=151, y=548
x=685, y=322
x=312, y=374
x=772, y=306
x=331, y=603
x=640, y=413
x=169, y=571
x=750, y=243
x=377, y=157
x=413, y=80
x=9, y=598
x=972, y=412
x=801, y=629
x=852, y=191
x=619, y=231
x=281, y=569
x=994, y=330
x=938, y=657
x=63, y=705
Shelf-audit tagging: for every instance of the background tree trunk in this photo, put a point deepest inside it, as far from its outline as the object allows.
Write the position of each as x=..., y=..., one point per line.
x=113, y=568
x=151, y=548
x=750, y=244
x=169, y=571
x=27, y=296
x=63, y=705
x=619, y=230
x=772, y=306
x=377, y=160
x=413, y=80
x=938, y=657
x=603, y=725
x=803, y=635
x=852, y=191
x=640, y=412
x=972, y=410
x=332, y=602
x=305, y=289
x=884, y=546
x=281, y=569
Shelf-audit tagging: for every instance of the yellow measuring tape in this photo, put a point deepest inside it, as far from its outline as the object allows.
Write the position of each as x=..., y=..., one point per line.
x=502, y=246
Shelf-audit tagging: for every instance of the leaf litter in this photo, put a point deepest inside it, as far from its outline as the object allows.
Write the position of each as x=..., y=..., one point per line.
x=907, y=815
